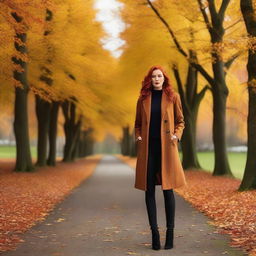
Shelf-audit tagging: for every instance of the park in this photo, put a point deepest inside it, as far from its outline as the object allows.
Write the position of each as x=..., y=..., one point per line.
x=71, y=75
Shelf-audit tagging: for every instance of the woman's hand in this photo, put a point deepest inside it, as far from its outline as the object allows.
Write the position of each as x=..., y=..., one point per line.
x=174, y=137
x=139, y=138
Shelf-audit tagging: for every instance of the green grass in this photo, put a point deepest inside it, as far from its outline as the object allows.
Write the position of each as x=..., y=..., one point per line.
x=206, y=159
x=237, y=162
x=10, y=151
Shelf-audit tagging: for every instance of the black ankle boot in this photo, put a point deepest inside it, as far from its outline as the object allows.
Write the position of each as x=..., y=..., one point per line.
x=155, y=239
x=169, y=238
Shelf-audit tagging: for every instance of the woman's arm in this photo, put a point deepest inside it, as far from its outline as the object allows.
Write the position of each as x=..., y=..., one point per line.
x=178, y=118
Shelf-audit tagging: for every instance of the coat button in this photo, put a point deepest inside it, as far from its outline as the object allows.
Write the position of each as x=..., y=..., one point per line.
x=165, y=121
x=168, y=131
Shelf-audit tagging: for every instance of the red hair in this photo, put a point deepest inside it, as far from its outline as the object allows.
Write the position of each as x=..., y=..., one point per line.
x=147, y=84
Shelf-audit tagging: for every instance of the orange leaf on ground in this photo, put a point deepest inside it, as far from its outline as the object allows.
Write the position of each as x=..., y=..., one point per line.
x=233, y=212
x=26, y=198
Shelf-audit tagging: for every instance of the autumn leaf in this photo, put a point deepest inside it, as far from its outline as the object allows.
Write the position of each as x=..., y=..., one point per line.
x=230, y=211
x=27, y=198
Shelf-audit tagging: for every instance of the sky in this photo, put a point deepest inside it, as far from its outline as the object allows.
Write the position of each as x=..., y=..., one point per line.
x=107, y=13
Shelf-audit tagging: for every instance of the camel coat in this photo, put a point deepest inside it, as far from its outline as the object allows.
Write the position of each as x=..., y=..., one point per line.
x=172, y=122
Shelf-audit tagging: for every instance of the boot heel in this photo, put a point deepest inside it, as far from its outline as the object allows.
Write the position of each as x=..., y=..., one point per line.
x=155, y=239
x=169, y=239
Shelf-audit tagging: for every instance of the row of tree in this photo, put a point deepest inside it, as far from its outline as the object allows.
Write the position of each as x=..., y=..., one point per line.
x=52, y=49
x=201, y=41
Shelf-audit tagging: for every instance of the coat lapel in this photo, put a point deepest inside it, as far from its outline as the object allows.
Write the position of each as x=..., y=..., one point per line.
x=147, y=105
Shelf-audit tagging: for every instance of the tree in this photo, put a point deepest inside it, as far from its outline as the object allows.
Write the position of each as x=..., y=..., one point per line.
x=43, y=113
x=63, y=69
x=214, y=22
x=72, y=128
x=23, y=155
x=190, y=100
x=249, y=178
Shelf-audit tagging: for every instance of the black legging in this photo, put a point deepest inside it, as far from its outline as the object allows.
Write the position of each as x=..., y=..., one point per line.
x=154, y=166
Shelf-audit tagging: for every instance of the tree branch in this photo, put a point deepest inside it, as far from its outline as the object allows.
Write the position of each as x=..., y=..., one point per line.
x=228, y=63
x=223, y=8
x=179, y=83
x=195, y=65
x=204, y=73
x=248, y=14
x=169, y=29
x=212, y=8
x=206, y=19
x=232, y=25
x=201, y=94
x=180, y=88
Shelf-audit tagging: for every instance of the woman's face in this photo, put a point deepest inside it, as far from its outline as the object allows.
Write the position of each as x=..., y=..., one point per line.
x=157, y=79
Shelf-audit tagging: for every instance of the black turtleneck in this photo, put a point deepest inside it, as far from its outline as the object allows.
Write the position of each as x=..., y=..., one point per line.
x=155, y=116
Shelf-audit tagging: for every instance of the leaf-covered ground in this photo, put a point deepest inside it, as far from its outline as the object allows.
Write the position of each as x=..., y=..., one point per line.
x=26, y=198
x=233, y=212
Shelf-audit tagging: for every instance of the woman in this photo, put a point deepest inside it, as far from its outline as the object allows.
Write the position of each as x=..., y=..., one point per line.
x=159, y=124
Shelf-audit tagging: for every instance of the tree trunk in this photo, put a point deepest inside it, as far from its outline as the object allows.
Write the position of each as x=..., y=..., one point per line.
x=86, y=143
x=71, y=129
x=221, y=164
x=67, y=131
x=82, y=144
x=21, y=129
x=43, y=107
x=23, y=154
x=53, y=128
x=43, y=116
x=125, y=142
x=249, y=178
x=132, y=145
x=188, y=143
x=220, y=94
x=190, y=100
x=219, y=91
x=75, y=151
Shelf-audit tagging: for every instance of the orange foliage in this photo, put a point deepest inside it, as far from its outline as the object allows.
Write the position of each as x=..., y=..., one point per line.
x=233, y=212
x=26, y=198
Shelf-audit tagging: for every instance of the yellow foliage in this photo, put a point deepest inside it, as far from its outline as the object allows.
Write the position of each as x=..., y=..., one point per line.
x=148, y=43
x=70, y=55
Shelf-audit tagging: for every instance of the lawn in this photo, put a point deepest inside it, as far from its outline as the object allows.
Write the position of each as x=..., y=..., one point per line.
x=10, y=151
x=237, y=162
x=206, y=159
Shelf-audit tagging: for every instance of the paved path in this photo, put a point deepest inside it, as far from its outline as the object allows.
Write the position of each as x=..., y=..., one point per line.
x=105, y=215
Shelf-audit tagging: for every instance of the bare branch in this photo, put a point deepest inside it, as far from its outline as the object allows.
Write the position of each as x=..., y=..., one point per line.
x=179, y=83
x=180, y=88
x=180, y=49
x=223, y=8
x=232, y=25
x=212, y=9
x=168, y=28
x=206, y=19
x=204, y=73
x=201, y=94
x=228, y=63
